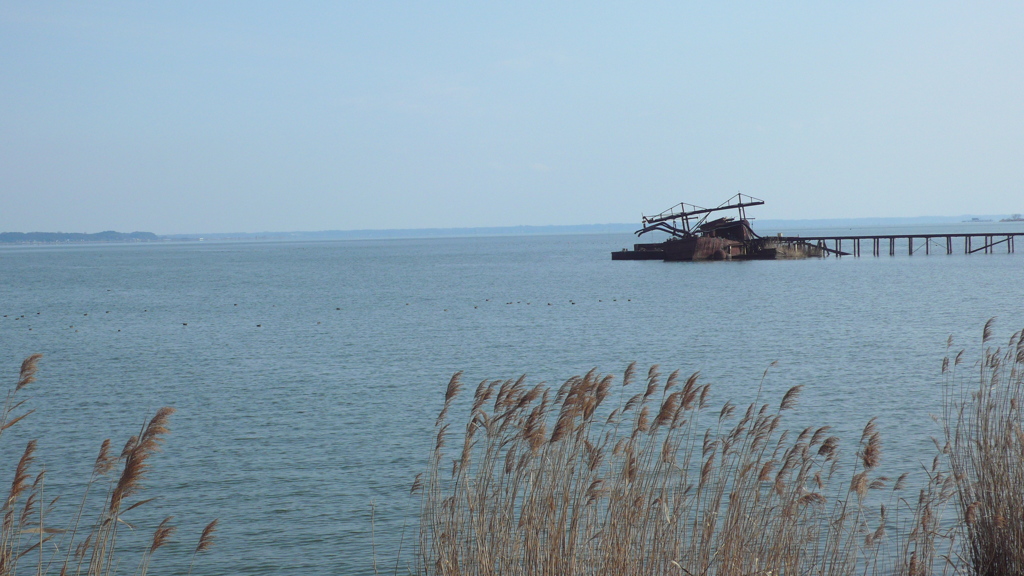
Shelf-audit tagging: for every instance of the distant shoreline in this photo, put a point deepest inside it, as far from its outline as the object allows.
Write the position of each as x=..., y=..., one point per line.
x=411, y=233
x=75, y=237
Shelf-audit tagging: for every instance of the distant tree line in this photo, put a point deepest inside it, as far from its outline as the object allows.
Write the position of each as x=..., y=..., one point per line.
x=52, y=237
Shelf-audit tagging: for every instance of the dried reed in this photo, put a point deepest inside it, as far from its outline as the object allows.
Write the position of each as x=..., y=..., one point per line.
x=985, y=450
x=558, y=482
x=25, y=529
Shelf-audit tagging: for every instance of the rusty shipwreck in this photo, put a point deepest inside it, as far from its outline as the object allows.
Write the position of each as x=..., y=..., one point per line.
x=694, y=236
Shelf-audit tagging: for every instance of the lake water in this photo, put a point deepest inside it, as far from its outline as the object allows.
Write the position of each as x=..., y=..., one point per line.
x=307, y=376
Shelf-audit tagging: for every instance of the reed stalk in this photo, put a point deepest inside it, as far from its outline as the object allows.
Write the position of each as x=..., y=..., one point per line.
x=25, y=532
x=547, y=481
x=985, y=450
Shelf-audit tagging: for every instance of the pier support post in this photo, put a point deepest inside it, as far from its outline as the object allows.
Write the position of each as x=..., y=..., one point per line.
x=967, y=244
x=892, y=246
x=839, y=247
x=910, y=245
x=949, y=244
x=927, y=245
x=856, y=247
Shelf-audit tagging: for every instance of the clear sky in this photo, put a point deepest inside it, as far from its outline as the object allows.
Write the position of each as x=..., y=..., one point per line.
x=188, y=117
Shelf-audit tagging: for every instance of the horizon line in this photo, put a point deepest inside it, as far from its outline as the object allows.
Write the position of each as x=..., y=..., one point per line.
x=538, y=228
x=623, y=225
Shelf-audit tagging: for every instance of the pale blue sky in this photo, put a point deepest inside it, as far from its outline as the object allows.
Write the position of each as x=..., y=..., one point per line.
x=178, y=117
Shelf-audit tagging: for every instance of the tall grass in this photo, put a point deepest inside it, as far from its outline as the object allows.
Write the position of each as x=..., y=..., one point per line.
x=985, y=449
x=645, y=478
x=650, y=480
x=88, y=545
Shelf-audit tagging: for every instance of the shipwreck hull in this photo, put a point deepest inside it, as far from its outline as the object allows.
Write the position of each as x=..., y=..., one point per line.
x=703, y=248
x=776, y=249
x=641, y=252
x=711, y=248
x=694, y=237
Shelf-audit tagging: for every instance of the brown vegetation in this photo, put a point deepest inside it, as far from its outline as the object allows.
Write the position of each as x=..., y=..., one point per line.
x=644, y=478
x=27, y=535
x=985, y=448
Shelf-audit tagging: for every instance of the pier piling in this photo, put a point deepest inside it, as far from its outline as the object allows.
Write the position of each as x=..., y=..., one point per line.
x=826, y=243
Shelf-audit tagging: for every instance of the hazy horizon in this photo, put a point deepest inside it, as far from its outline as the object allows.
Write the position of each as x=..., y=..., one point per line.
x=541, y=229
x=190, y=117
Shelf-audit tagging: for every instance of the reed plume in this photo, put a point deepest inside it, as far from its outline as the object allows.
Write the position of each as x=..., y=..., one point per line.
x=204, y=544
x=27, y=375
x=654, y=485
x=985, y=444
x=25, y=512
x=648, y=489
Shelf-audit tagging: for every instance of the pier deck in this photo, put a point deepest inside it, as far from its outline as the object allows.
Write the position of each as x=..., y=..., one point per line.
x=978, y=242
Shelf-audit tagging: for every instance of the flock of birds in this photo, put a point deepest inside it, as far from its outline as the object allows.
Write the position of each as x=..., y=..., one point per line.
x=571, y=302
x=475, y=307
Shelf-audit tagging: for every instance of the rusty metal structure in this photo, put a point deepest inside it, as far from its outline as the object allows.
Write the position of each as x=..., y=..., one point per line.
x=692, y=236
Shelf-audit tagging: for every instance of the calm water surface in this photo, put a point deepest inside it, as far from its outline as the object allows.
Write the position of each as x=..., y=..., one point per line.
x=307, y=375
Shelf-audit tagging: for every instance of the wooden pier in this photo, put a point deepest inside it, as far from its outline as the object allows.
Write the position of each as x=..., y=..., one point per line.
x=945, y=243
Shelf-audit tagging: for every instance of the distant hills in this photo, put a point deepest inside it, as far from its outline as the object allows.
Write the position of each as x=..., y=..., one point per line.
x=68, y=237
